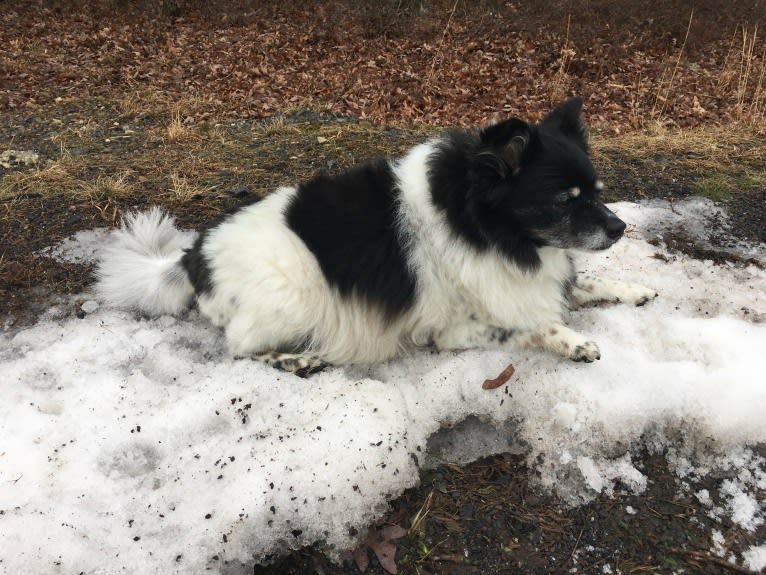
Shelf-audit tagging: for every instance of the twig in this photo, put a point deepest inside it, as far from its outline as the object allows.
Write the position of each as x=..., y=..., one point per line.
x=451, y=557
x=574, y=549
x=441, y=44
x=421, y=514
x=675, y=69
x=711, y=559
x=558, y=92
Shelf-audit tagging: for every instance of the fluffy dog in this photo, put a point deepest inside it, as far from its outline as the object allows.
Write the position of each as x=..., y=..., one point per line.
x=462, y=242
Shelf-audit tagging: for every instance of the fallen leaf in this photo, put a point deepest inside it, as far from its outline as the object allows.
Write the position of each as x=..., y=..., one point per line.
x=381, y=543
x=504, y=376
x=361, y=558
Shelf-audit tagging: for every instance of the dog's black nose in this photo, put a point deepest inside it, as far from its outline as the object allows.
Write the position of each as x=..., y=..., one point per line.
x=614, y=228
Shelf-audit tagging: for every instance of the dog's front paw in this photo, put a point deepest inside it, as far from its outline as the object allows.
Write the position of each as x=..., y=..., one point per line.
x=587, y=351
x=635, y=294
x=565, y=342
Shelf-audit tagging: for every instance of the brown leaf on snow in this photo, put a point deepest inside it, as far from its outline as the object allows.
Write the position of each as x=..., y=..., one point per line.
x=504, y=376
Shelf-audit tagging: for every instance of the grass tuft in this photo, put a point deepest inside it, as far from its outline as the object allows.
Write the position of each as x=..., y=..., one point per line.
x=561, y=82
x=716, y=187
x=107, y=188
x=57, y=177
x=177, y=131
x=182, y=190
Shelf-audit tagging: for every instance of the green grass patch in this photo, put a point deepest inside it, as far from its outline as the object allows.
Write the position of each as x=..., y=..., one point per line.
x=717, y=187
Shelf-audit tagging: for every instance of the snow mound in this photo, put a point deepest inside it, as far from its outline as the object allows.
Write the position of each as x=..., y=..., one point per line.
x=140, y=445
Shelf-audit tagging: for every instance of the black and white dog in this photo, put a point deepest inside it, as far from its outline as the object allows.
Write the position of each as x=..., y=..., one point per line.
x=463, y=242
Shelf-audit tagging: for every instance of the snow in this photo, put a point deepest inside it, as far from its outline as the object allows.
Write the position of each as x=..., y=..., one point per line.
x=718, y=543
x=755, y=558
x=139, y=445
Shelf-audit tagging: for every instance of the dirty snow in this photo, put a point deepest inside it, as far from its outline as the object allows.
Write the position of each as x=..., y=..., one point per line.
x=139, y=445
x=755, y=558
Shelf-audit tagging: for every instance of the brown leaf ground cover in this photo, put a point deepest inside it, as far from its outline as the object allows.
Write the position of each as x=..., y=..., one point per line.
x=429, y=61
x=198, y=105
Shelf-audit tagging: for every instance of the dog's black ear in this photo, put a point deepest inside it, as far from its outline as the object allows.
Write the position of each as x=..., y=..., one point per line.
x=567, y=119
x=506, y=144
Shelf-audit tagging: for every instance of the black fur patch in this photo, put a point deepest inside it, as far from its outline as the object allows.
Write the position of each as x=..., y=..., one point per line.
x=467, y=182
x=502, y=187
x=348, y=222
x=499, y=334
x=197, y=268
x=194, y=262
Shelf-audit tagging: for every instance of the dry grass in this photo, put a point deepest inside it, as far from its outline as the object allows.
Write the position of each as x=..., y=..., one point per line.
x=275, y=126
x=183, y=190
x=108, y=187
x=744, y=75
x=751, y=97
x=183, y=162
x=176, y=130
x=664, y=89
x=437, y=58
x=560, y=87
x=57, y=177
x=735, y=148
x=417, y=520
x=131, y=104
x=742, y=80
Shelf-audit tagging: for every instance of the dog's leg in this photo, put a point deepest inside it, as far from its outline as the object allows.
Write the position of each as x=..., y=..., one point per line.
x=471, y=334
x=563, y=341
x=557, y=338
x=300, y=365
x=590, y=290
x=249, y=338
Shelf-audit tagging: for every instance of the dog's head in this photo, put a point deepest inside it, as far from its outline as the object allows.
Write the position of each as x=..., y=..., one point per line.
x=539, y=181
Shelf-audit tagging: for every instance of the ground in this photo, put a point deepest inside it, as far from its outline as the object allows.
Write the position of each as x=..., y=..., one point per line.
x=200, y=109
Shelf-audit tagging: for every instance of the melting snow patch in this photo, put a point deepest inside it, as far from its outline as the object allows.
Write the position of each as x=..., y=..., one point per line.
x=81, y=248
x=755, y=558
x=718, y=543
x=699, y=219
x=140, y=445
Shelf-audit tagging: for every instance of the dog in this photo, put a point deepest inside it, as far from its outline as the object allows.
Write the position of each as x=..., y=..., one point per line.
x=462, y=242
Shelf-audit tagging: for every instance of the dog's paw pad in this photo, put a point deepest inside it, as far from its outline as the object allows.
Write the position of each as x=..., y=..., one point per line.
x=300, y=365
x=313, y=365
x=646, y=298
x=587, y=352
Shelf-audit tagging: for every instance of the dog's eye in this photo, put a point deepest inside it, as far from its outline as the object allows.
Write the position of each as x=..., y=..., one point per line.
x=567, y=196
x=598, y=186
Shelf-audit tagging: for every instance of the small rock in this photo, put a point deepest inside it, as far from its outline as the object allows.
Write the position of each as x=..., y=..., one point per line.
x=14, y=158
x=89, y=306
x=8, y=323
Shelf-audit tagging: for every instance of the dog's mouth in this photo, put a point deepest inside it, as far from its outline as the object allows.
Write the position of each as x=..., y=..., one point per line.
x=598, y=239
x=608, y=242
x=608, y=234
x=595, y=242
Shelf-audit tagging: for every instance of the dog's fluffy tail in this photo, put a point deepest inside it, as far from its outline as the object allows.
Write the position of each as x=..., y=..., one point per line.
x=141, y=269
